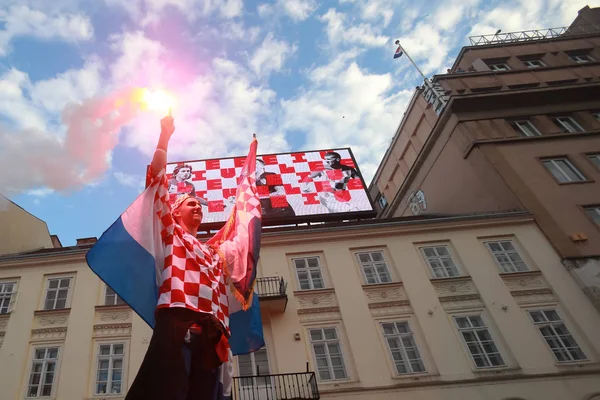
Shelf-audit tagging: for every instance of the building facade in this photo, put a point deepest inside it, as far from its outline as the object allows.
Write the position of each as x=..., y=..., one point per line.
x=519, y=131
x=462, y=307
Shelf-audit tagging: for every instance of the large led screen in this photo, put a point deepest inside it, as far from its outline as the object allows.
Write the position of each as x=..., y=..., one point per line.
x=293, y=187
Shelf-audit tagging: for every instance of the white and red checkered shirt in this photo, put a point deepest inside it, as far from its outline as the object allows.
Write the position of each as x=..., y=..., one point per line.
x=192, y=276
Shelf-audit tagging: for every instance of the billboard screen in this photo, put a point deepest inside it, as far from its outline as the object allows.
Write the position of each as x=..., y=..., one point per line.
x=293, y=187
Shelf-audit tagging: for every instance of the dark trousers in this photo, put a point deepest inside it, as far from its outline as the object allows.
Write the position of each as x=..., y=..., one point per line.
x=163, y=374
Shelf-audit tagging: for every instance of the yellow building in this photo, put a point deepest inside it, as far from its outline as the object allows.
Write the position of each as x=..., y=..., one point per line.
x=428, y=307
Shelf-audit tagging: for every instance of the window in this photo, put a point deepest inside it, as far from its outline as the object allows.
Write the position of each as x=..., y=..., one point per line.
x=403, y=348
x=534, y=63
x=595, y=159
x=251, y=365
x=478, y=340
x=440, y=261
x=111, y=298
x=109, y=376
x=308, y=271
x=581, y=58
x=499, y=67
x=8, y=292
x=328, y=354
x=525, y=128
x=506, y=256
x=557, y=336
x=43, y=369
x=563, y=170
x=594, y=213
x=374, y=268
x=568, y=124
x=382, y=201
x=57, y=293
x=596, y=115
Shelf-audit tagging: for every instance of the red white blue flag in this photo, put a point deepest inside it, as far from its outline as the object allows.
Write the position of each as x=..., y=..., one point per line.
x=398, y=52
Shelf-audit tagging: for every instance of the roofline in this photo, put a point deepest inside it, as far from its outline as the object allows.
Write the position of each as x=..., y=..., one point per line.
x=426, y=219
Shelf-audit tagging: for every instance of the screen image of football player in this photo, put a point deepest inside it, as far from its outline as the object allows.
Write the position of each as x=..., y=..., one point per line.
x=271, y=193
x=337, y=199
x=179, y=184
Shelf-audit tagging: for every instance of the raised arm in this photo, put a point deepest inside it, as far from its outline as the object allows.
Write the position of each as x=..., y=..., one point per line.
x=159, y=161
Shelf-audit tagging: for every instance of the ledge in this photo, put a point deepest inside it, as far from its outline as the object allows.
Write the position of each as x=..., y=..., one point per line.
x=520, y=274
x=53, y=312
x=118, y=307
x=383, y=285
x=453, y=279
x=314, y=291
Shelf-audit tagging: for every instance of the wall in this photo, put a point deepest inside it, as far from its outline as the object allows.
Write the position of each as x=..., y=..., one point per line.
x=20, y=231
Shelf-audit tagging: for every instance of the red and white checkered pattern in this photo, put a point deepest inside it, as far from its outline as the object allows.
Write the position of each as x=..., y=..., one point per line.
x=192, y=276
x=215, y=180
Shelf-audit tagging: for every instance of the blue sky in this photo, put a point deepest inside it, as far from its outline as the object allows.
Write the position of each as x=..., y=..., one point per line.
x=302, y=74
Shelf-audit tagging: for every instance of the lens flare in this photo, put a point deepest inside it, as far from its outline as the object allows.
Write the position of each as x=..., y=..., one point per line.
x=154, y=100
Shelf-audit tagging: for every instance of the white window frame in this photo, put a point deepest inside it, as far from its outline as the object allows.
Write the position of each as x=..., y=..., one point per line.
x=111, y=357
x=532, y=63
x=557, y=338
x=249, y=381
x=581, y=58
x=593, y=212
x=382, y=201
x=513, y=265
x=8, y=298
x=566, y=178
x=374, y=266
x=568, y=124
x=325, y=343
x=499, y=67
x=309, y=271
x=45, y=362
x=116, y=300
x=526, y=127
x=478, y=343
x=594, y=159
x=596, y=115
x=69, y=291
x=402, y=349
x=439, y=258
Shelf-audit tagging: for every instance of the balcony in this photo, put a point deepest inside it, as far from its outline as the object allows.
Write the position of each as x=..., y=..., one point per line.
x=295, y=386
x=271, y=291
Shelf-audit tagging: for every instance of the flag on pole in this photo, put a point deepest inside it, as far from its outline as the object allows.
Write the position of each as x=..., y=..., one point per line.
x=399, y=51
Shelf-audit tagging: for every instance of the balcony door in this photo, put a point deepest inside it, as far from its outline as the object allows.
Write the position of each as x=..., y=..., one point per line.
x=255, y=386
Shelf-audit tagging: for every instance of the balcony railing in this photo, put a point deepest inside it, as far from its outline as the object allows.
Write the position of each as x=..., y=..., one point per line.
x=271, y=286
x=271, y=291
x=295, y=386
x=531, y=35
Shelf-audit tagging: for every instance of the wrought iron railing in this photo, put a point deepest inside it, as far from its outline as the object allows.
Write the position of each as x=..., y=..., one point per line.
x=271, y=286
x=295, y=386
x=535, y=34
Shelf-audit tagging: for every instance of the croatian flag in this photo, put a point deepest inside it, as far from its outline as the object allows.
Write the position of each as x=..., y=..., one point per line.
x=398, y=52
x=129, y=258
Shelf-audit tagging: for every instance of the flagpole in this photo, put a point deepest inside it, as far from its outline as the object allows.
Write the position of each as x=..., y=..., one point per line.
x=411, y=60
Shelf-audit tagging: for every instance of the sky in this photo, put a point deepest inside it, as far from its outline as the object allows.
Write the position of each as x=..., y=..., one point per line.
x=301, y=74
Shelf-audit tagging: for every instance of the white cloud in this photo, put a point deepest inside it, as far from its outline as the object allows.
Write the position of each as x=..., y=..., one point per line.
x=72, y=86
x=20, y=20
x=347, y=106
x=340, y=31
x=14, y=102
x=149, y=11
x=296, y=10
x=518, y=15
x=271, y=55
x=375, y=10
x=139, y=58
x=40, y=192
x=136, y=182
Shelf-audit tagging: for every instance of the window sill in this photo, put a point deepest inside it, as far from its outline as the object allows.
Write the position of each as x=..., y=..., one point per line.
x=452, y=279
x=582, y=364
x=112, y=307
x=314, y=291
x=521, y=273
x=575, y=182
x=382, y=285
x=413, y=377
x=494, y=371
x=51, y=312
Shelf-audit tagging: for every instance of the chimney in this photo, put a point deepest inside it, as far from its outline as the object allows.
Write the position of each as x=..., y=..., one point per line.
x=86, y=241
x=56, y=241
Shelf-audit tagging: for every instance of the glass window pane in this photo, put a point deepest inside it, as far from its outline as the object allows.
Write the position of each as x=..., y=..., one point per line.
x=53, y=283
x=118, y=349
x=313, y=262
x=64, y=283
x=377, y=256
x=299, y=262
x=363, y=257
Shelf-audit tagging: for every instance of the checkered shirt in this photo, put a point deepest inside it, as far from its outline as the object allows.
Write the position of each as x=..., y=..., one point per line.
x=192, y=276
